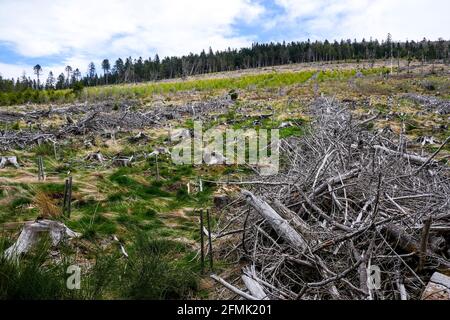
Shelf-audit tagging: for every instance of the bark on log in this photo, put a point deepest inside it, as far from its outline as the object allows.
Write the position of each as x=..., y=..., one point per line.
x=400, y=238
x=294, y=219
x=254, y=287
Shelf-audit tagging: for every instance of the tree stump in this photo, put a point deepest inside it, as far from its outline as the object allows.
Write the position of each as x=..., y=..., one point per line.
x=32, y=232
x=4, y=161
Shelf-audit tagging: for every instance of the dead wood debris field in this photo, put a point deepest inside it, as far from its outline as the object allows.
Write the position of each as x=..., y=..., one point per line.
x=364, y=184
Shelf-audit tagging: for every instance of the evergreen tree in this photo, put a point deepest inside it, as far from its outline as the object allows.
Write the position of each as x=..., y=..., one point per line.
x=50, y=81
x=106, y=67
x=69, y=71
x=91, y=74
x=61, y=82
x=37, y=71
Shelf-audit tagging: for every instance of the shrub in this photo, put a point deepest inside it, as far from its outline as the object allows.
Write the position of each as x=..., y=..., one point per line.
x=153, y=273
x=428, y=85
x=233, y=95
x=77, y=88
x=46, y=205
x=33, y=277
x=155, y=269
x=43, y=149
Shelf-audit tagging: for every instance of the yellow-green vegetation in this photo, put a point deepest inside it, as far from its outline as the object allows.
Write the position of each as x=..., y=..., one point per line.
x=145, y=90
x=37, y=96
x=247, y=82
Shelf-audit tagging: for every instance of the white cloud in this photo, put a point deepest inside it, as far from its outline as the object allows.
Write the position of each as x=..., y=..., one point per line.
x=13, y=70
x=336, y=19
x=58, y=27
x=84, y=30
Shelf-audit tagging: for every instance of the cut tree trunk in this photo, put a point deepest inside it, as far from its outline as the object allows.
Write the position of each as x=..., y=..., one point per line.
x=95, y=156
x=32, y=232
x=8, y=160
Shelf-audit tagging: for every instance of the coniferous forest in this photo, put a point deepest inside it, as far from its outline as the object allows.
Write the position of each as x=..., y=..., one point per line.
x=131, y=70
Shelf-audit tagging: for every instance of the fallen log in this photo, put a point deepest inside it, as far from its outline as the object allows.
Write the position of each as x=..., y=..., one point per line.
x=233, y=288
x=410, y=157
x=280, y=225
x=253, y=286
x=403, y=240
x=294, y=219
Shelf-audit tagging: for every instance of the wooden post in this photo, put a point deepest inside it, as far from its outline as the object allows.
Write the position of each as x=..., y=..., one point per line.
x=69, y=198
x=157, y=167
x=202, y=244
x=40, y=163
x=54, y=151
x=66, y=189
x=209, y=241
x=39, y=168
x=42, y=168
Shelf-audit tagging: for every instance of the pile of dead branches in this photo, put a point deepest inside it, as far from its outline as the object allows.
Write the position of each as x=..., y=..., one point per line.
x=347, y=204
x=22, y=139
x=439, y=106
x=102, y=122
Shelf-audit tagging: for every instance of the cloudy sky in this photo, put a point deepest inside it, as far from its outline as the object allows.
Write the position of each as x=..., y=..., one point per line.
x=55, y=33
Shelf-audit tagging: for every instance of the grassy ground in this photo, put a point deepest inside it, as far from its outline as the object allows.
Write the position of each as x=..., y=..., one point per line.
x=155, y=217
